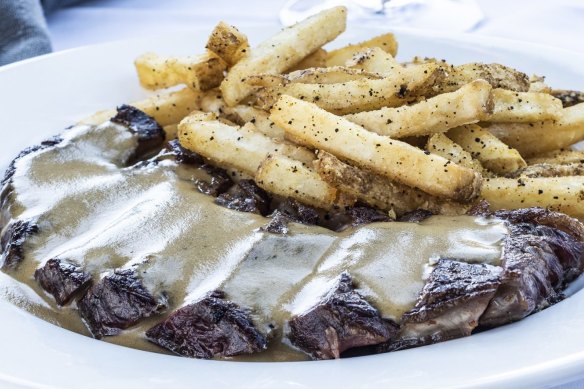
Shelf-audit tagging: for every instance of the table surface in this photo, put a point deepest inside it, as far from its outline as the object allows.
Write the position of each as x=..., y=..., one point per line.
x=558, y=23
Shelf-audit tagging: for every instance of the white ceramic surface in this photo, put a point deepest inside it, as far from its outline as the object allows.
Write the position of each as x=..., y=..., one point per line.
x=41, y=96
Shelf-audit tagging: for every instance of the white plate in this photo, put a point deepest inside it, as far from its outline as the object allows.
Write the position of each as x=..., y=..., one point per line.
x=41, y=96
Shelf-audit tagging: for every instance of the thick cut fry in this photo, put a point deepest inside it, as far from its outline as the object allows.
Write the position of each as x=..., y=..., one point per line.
x=564, y=194
x=467, y=105
x=241, y=148
x=490, y=151
x=378, y=191
x=441, y=145
x=200, y=72
x=558, y=157
x=165, y=108
x=170, y=131
x=314, y=60
x=228, y=43
x=242, y=114
x=360, y=95
x=536, y=138
x=512, y=106
x=386, y=42
x=332, y=75
x=568, y=97
x=537, y=84
x=374, y=60
x=309, y=125
x=550, y=170
x=497, y=75
x=283, y=51
x=289, y=178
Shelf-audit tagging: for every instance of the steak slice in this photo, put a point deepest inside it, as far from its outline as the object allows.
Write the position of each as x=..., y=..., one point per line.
x=246, y=196
x=450, y=304
x=211, y=327
x=150, y=133
x=341, y=321
x=62, y=280
x=13, y=240
x=182, y=155
x=48, y=143
x=220, y=181
x=117, y=301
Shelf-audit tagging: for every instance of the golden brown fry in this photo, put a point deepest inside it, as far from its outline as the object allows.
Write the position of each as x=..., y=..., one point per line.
x=443, y=146
x=283, y=50
x=309, y=125
x=289, y=178
x=497, y=75
x=242, y=148
x=165, y=108
x=467, y=105
x=200, y=72
x=531, y=139
x=331, y=75
x=374, y=60
x=510, y=106
x=550, y=170
x=564, y=194
x=359, y=95
x=537, y=84
x=490, y=151
x=314, y=60
x=228, y=43
x=170, y=131
x=386, y=42
x=378, y=191
x=558, y=157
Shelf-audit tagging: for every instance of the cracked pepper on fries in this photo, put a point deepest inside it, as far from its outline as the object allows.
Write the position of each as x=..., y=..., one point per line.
x=329, y=128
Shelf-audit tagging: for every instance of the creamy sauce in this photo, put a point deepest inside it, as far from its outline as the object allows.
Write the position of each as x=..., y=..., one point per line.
x=95, y=212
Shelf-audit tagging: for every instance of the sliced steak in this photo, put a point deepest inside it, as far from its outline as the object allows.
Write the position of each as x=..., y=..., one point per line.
x=246, y=196
x=291, y=211
x=209, y=328
x=416, y=216
x=61, y=279
x=182, y=155
x=366, y=215
x=117, y=301
x=48, y=143
x=450, y=305
x=341, y=321
x=219, y=183
x=150, y=133
x=13, y=241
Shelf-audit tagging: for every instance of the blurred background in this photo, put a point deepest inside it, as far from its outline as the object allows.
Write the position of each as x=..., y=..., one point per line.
x=24, y=32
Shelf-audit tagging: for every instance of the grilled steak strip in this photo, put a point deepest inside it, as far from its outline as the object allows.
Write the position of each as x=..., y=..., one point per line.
x=62, y=280
x=211, y=327
x=342, y=321
x=13, y=240
x=150, y=133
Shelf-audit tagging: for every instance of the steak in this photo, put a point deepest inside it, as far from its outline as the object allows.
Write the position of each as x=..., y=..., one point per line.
x=341, y=321
x=246, y=196
x=13, y=241
x=116, y=302
x=211, y=327
x=150, y=133
x=62, y=280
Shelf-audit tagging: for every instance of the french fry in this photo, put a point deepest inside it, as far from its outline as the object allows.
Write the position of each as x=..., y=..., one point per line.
x=309, y=125
x=283, y=51
x=331, y=75
x=241, y=148
x=289, y=178
x=170, y=131
x=359, y=95
x=228, y=43
x=165, y=108
x=441, y=145
x=568, y=97
x=374, y=60
x=550, y=170
x=510, y=106
x=378, y=191
x=314, y=60
x=564, y=194
x=537, y=84
x=467, y=105
x=497, y=75
x=531, y=139
x=487, y=148
x=558, y=157
x=200, y=72
x=386, y=42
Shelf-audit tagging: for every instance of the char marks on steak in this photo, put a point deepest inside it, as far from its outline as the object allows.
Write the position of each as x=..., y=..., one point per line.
x=341, y=321
x=118, y=301
x=211, y=327
x=416, y=216
x=150, y=133
x=455, y=296
x=182, y=155
x=219, y=183
x=13, y=240
x=246, y=196
x=61, y=279
x=291, y=211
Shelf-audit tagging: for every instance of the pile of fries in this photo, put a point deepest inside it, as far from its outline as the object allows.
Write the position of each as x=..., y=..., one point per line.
x=331, y=128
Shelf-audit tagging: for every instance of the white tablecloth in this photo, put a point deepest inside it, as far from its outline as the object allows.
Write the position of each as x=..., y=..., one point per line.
x=557, y=23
